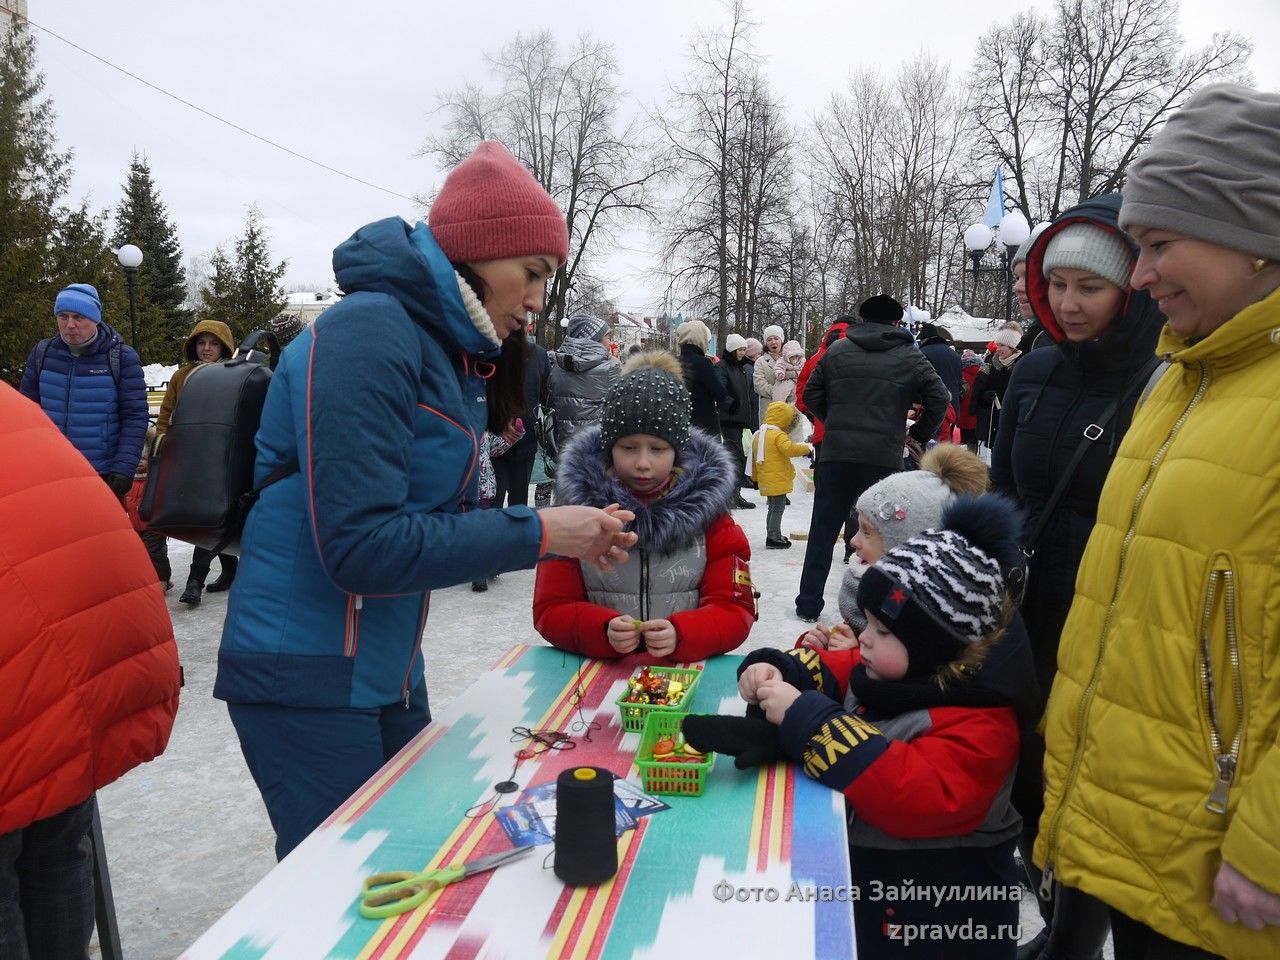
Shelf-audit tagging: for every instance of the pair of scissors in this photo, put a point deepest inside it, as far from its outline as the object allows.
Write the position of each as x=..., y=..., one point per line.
x=390, y=894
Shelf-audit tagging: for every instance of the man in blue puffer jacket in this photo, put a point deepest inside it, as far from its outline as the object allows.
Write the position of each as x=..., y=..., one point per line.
x=90, y=384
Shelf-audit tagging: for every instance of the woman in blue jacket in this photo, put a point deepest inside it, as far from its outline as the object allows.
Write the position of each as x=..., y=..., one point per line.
x=381, y=402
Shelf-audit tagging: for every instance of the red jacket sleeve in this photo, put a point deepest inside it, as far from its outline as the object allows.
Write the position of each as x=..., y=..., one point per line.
x=726, y=607
x=801, y=380
x=563, y=614
x=944, y=782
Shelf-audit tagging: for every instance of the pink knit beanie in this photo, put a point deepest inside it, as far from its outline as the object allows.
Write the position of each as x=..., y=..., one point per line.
x=490, y=208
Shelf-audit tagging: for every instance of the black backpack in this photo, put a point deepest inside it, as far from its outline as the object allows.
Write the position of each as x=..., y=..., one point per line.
x=200, y=484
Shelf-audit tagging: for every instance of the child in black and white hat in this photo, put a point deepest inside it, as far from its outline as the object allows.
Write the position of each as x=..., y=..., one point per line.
x=686, y=594
x=919, y=728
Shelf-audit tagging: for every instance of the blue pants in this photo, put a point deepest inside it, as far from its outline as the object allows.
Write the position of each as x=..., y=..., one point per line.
x=306, y=762
x=836, y=488
x=46, y=887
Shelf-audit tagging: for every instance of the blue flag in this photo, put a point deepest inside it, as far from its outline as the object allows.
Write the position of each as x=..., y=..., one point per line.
x=995, y=203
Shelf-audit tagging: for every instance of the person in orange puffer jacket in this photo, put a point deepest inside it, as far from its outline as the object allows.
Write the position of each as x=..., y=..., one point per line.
x=89, y=644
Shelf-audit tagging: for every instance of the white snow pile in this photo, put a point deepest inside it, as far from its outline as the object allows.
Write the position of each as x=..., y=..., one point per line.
x=158, y=374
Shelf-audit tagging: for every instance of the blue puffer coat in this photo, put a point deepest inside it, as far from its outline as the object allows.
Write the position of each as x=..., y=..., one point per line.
x=105, y=422
x=380, y=402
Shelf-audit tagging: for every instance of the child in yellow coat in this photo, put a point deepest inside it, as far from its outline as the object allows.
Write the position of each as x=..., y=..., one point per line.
x=772, y=448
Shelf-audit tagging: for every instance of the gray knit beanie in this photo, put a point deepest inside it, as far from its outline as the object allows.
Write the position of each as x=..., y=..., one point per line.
x=1083, y=246
x=1211, y=172
x=1023, y=250
x=904, y=504
x=650, y=397
x=584, y=326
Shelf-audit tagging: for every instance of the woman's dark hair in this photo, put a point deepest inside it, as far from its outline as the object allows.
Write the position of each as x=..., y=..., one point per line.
x=505, y=389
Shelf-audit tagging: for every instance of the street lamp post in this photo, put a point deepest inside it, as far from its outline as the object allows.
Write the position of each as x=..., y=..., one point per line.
x=1009, y=235
x=130, y=258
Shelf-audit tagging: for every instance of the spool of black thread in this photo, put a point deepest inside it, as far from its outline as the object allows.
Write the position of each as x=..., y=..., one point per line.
x=586, y=832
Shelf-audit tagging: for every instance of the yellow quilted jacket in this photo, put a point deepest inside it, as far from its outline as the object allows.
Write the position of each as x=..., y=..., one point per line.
x=771, y=451
x=1162, y=726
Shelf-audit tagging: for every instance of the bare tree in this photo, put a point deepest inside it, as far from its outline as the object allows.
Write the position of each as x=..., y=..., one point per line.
x=701, y=129
x=1067, y=103
x=884, y=165
x=558, y=113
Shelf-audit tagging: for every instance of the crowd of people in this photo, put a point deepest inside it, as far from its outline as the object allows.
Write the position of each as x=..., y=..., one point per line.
x=1057, y=670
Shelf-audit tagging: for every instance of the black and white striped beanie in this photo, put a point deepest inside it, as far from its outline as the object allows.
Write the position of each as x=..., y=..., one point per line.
x=941, y=591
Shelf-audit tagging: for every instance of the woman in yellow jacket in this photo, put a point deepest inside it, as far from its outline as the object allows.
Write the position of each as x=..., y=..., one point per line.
x=1162, y=770
x=771, y=451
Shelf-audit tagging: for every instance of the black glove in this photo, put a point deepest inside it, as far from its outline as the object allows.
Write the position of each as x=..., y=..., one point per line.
x=118, y=482
x=752, y=741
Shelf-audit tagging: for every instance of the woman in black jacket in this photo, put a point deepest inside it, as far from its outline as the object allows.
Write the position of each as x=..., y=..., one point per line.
x=705, y=388
x=738, y=412
x=1105, y=336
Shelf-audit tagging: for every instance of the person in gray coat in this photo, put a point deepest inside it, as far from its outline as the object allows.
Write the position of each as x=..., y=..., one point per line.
x=581, y=372
x=861, y=390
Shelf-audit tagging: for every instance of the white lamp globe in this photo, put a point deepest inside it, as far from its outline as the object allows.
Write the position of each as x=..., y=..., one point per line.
x=1014, y=229
x=977, y=237
x=130, y=257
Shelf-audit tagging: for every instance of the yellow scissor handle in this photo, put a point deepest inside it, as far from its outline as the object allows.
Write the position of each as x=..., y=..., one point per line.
x=390, y=894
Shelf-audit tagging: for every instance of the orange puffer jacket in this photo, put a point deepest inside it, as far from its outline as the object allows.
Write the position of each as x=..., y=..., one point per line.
x=88, y=664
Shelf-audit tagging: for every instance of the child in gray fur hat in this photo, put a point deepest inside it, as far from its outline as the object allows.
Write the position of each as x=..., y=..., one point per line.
x=890, y=513
x=686, y=594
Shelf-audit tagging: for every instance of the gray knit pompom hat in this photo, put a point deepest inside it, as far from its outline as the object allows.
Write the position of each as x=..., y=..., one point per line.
x=649, y=397
x=1213, y=172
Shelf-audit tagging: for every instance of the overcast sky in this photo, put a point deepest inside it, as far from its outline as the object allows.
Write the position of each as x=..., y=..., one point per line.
x=353, y=86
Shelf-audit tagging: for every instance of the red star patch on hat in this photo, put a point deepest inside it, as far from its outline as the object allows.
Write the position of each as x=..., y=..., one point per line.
x=895, y=600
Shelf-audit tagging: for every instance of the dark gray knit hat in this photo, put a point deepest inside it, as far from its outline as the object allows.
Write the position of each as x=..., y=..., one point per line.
x=881, y=309
x=1211, y=172
x=286, y=326
x=1085, y=246
x=584, y=326
x=650, y=397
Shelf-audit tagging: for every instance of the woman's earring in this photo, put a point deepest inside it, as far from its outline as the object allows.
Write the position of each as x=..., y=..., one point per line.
x=1259, y=264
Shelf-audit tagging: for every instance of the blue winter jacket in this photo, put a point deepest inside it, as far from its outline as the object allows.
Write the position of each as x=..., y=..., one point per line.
x=104, y=421
x=381, y=403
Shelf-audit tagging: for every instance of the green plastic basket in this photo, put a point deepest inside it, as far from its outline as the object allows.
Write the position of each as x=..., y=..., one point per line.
x=685, y=778
x=633, y=714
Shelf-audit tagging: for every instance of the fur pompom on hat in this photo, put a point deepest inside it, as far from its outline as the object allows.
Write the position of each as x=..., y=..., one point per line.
x=695, y=332
x=944, y=589
x=81, y=298
x=491, y=208
x=734, y=342
x=1084, y=246
x=649, y=397
x=1211, y=172
x=754, y=348
x=1007, y=338
x=881, y=309
x=584, y=326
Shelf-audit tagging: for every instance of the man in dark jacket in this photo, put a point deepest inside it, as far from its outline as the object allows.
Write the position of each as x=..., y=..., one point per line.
x=90, y=384
x=861, y=390
x=738, y=412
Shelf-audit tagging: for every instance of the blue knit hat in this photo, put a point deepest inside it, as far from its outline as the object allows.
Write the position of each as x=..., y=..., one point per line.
x=79, y=298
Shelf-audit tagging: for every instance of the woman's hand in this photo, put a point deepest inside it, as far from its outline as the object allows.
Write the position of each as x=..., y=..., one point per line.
x=1239, y=900
x=752, y=677
x=659, y=637
x=622, y=634
x=775, y=697
x=588, y=534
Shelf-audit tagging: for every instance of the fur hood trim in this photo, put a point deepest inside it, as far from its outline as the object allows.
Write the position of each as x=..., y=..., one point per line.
x=701, y=495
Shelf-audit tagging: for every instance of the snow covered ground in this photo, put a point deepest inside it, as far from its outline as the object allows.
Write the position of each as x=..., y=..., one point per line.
x=187, y=834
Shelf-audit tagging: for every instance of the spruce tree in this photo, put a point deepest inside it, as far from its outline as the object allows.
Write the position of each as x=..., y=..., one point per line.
x=45, y=243
x=244, y=292
x=141, y=219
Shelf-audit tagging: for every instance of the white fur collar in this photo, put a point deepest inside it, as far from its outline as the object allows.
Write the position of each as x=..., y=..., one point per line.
x=475, y=310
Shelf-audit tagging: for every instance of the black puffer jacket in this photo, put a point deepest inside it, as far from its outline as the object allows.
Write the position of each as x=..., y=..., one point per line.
x=705, y=388
x=1053, y=395
x=739, y=410
x=862, y=389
